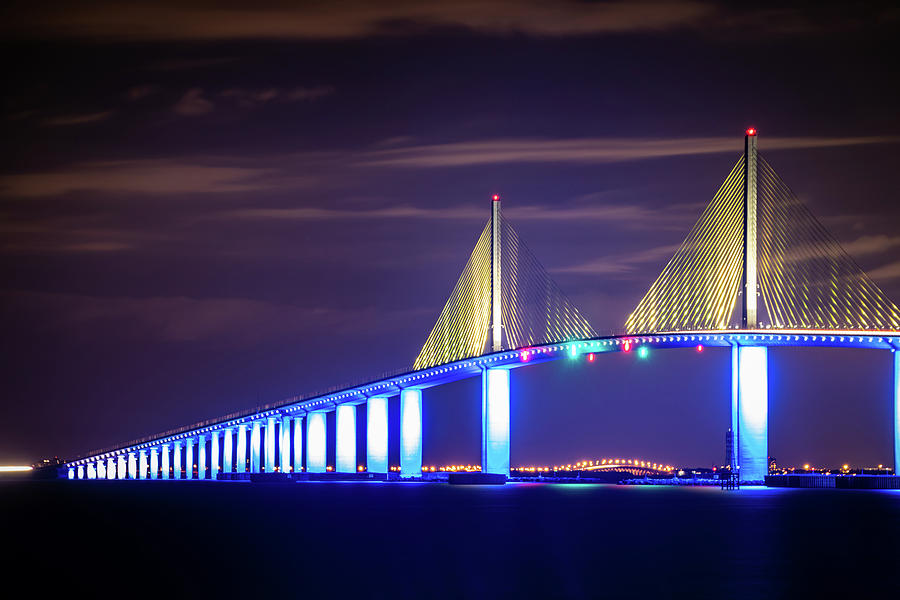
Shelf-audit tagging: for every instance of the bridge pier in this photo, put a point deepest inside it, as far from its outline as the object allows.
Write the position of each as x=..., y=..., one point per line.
x=165, y=461
x=345, y=439
x=254, y=446
x=377, y=435
x=298, y=444
x=495, y=421
x=120, y=468
x=270, y=445
x=142, y=464
x=227, y=450
x=80, y=471
x=241, y=456
x=201, y=457
x=285, y=445
x=91, y=471
x=110, y=468
x=749, y=411
x=896, y=354
x=411, y=433
x=214, y=464
x=316, y=453
x=189, y=458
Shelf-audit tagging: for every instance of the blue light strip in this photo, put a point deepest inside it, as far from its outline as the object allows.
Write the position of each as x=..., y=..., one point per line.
x=411, y=433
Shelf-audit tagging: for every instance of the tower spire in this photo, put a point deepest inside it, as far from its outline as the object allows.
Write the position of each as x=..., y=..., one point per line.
x=496, y=312
x=749, y=314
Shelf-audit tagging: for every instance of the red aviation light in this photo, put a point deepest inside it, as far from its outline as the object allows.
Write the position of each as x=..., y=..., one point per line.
x=591, y=357
x=496, y=197
x=751, y=131
x=699, y=347
x=627, y=346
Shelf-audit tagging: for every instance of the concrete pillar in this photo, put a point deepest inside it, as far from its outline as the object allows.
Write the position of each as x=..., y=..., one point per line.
x=254, y=446
x=241, y=458
x=177, y=468
x=132, y=466
x=750, y=406
x=70, y=473
x=377, y=435
x=896, y=412
x=270, y=445
x=121, y=473
x=110, y=468
x=411, y=433
x=154, y=463
x=298, y=444
x=227, y=450
x=315, y=442
x=345, y=439
x=80, y=471
x=189, y=458
x=142, y=464
x=284, y=446
x=214, y=464
x=495, y=421
x=91, y=471
x=201, y=457
x=165, y=461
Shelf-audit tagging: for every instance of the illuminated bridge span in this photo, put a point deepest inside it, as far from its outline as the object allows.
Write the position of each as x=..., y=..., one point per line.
x=757, y=270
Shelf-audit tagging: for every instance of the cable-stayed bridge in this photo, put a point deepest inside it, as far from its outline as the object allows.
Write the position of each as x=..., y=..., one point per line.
x=756, y=270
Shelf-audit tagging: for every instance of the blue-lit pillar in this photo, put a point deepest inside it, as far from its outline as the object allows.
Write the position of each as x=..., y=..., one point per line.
x=411, y=433
x=154, y=463
x=165, y=461
x=110, y=468
x=176, y=460
x=80, y=471
x=91, y=471
x=189, y=458
x=298, y=444
x=315, y=442
x=345, y=442
x=377, y=435
x=495, y=421
x=142, y=465
x=121, y=473
x=750, y=406
x=132, y=466
x=896, y=412
x=241, y=457
x=201, y=457
x=254, y=446
x=227, y=450
x=214, y=465
x=284, y=444
x=270, y=445
x=101, y=469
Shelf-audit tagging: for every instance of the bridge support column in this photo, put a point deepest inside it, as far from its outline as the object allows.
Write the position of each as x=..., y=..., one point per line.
x=315, y=442
x=165, y=461
x=91, y=471
x=176, y=460
x=110, y=468
x=80, y=471
x=298, y=444
x=121, y=473
x=495, y=421
x=750, y=407
x=241, y=456
x=896, y=412
x=201, y=457
x=377, y=435
x=411, y=433
x=345, y=442
x=270, y=445
x=227, y=450
x=189, y=458
x=142, y=465
x=154, y=463
x=254, y=446
x=214, y=464
x=284, y=446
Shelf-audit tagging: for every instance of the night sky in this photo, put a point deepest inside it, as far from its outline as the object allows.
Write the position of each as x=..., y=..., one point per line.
x=205, y=207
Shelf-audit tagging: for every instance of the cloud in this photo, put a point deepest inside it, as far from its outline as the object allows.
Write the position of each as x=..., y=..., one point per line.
x=871, y=244
x=585, y=150
x=139, y=92
x=888, y=271
x=620, y=264
x=251, y=98
x=65, y=120
x=193, y=103
x=137, y=176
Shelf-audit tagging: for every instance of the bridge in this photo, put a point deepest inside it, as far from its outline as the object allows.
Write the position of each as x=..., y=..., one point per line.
x=756, y=271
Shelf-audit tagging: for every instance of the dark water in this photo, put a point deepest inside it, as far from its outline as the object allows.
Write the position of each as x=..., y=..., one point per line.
x=370, y=540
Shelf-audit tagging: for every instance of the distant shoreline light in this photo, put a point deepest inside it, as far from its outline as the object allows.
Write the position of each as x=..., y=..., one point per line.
x=13, y=468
